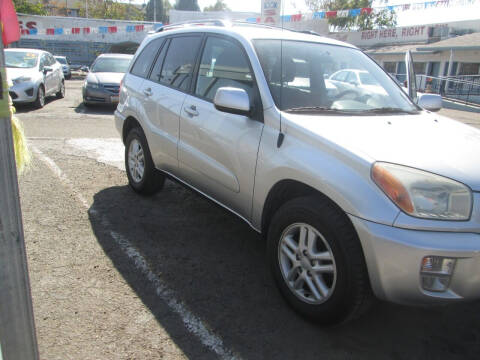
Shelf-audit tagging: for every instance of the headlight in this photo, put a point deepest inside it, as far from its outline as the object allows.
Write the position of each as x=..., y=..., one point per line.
x=21, y=79
x=92, y=85
x=423, y=194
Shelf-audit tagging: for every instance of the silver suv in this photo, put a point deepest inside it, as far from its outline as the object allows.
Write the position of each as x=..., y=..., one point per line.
x=358, y=191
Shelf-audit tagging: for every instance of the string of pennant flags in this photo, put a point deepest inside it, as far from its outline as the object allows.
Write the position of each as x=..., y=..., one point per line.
x=285, y=18
x=92, y=30
x=323, y=14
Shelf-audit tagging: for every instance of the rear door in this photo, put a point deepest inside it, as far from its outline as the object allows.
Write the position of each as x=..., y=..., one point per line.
x=164, y=92
x=49, y=77
x=217, y=150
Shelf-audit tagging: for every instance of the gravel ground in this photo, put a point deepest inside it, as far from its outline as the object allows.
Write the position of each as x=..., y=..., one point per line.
x=119, y=276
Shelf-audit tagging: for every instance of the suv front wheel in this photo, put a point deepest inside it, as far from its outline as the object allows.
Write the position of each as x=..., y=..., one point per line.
x=317, y=261
x=141, y=172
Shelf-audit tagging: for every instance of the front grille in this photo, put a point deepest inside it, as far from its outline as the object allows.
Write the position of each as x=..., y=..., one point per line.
x=29, y=92
x=92, y=98
x=112, y=88
x=13, y=95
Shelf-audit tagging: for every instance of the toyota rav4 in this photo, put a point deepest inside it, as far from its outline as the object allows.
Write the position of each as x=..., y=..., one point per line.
x=359, y=191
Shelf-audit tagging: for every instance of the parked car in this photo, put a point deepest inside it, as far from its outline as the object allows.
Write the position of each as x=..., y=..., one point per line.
x=354, y=81
x=102, y=84
x=35, y=74
x=67, y=72
x=367, y=194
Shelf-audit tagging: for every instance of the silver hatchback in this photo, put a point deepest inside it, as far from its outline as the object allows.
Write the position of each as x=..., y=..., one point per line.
x=358, y=190
x=33, y=75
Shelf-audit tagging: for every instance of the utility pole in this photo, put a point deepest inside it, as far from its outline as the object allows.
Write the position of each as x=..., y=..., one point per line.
x=86, y=9
x=17, y=328
x=154, y=11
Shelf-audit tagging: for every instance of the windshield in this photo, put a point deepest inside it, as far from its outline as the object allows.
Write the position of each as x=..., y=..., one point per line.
x=61, y=60
x=116, y=65
x=314, y=77
x=20, y=59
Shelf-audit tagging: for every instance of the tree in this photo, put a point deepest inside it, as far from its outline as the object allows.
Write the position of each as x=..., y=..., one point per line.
x=218, y=6
x=191, y=5
x=26, y=7
x=110, y=9
x=376, y=19
x=159, y=11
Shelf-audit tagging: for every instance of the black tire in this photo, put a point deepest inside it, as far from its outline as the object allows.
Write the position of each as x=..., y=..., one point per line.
x=40, y=100
x=61, y=93
x=152, y=180
x=86, y=104
x=351, y=294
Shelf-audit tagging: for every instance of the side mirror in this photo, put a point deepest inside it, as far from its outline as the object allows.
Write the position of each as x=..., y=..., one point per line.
x=431, y=102
x=411, y=80
x=232, y=100
x=47, y=69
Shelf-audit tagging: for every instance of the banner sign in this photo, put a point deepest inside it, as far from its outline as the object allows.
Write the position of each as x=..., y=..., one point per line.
x=31, y=25
x=271, y=11
x=361, y=11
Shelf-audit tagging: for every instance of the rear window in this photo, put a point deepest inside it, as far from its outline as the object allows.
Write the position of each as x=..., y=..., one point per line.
x=178, y=66
x=145, y=59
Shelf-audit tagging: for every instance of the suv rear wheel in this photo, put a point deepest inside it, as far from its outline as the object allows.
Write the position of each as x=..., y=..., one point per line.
x=317, y=261
x=141, y=173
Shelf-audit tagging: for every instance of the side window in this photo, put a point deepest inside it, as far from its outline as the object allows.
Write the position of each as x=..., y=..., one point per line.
x=43, y=61
x=223, y=64
x=51, y=60
x=157, y=68
x=351, y=77
x=144, y=60
x=340, y=76
x=178, y=66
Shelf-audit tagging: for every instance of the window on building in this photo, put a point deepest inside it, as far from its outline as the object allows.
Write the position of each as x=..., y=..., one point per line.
x=419, y=68
x=469, y=69
x=390, y=66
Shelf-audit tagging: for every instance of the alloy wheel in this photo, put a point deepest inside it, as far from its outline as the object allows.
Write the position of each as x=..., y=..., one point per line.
x=136, y=160
x=307, y=263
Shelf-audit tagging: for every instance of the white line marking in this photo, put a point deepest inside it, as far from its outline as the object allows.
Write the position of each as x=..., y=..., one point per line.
x=193, y=324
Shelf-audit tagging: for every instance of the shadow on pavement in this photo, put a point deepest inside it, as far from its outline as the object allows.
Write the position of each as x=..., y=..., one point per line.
x=215, y=265
x=27, y=107
x=95, y=109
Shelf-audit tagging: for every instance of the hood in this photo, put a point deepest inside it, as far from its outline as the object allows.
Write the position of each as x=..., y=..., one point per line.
x=425, y=141
x=105, y=77
x=13, y=73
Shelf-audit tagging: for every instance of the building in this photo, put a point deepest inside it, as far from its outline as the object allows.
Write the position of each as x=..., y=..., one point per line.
x=451, y=49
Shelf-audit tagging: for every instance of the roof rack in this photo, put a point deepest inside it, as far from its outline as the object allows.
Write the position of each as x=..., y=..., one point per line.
x=212, y=22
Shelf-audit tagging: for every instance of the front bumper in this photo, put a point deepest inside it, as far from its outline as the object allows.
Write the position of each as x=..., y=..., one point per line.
x=99, y=96
x=394, y=256
x=25, y=92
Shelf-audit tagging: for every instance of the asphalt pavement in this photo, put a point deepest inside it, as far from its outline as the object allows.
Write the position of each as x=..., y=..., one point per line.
x=118, y=276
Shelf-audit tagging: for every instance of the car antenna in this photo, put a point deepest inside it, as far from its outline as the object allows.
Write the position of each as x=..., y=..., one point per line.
x=281, y=135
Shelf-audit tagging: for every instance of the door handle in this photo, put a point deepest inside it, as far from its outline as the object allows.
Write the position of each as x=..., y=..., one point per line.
x=191, y=110
x=147, y=91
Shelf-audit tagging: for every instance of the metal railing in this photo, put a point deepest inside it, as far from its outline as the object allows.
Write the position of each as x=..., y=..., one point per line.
x=463, y=88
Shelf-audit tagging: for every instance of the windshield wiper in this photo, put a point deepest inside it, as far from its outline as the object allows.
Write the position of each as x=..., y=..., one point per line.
x=311, y=108
x=389, y=110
